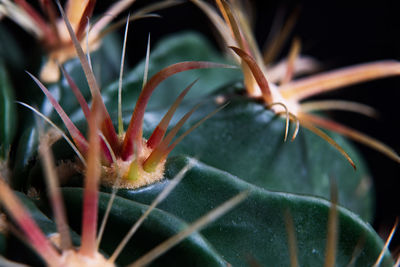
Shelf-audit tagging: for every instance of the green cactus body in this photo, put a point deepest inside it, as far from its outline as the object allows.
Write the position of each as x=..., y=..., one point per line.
x=227, y=130
x=240, y=149
x=7, y=112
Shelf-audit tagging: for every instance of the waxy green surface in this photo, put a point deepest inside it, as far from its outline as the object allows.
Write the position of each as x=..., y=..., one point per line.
x=241, y=148
x=244, y=139
x=8, y=116
x=255, y=229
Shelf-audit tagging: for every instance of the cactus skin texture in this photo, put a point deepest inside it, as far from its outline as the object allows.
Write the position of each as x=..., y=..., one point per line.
x=7, y=112
x=240, y=149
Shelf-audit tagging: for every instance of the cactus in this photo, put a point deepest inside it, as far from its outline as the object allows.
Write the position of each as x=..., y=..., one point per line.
x=218, y=194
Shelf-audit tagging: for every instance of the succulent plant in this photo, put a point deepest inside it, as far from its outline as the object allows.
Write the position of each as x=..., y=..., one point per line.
x=231, y=192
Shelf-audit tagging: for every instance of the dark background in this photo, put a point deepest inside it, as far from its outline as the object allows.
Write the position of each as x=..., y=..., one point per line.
x=337, y=34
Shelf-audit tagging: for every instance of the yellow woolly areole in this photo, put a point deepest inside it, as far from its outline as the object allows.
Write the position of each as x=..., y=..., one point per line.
x=131, y=172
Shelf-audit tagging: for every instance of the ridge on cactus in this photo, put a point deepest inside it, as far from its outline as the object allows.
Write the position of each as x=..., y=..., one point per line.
x=63, y=252
x=128, y=156
x=266, y=228
x=281, y=93
x=50, y=29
